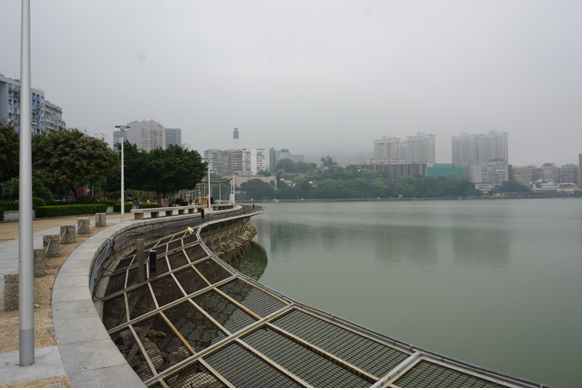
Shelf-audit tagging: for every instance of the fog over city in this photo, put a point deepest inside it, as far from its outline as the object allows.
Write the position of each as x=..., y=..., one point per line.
x=315, y=77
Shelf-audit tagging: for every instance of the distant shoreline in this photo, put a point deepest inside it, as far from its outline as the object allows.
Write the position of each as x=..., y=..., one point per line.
x=400, y=200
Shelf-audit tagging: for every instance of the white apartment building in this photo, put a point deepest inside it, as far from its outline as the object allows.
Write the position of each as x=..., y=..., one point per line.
x=10, y=105
x=253, y=160
x=495, y=172
x=420, y=149
x=146, y=135
x=387, y=148
x=522, y=175
x=173, y=136
x=480, y=147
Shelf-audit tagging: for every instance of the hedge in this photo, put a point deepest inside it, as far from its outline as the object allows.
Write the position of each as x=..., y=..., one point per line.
x=118, y=207
x=9, y=206
x=149, y=205
x=74, y=209
x=1, y=214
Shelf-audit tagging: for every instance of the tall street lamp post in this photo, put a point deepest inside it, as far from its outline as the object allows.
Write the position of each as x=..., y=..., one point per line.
x=122, y=128
x=208, y=181
x=25, y=244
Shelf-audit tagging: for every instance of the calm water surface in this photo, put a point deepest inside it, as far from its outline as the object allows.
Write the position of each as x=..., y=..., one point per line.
x=494, y=283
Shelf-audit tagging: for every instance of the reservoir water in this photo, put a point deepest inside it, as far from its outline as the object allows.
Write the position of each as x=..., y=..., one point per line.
x=494, y=283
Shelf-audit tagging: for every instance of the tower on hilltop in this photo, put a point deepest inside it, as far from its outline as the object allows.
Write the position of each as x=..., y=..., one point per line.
x=235, y=139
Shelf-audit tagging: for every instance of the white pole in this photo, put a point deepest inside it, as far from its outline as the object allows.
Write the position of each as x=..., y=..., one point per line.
x=25, y=244
x=122, y=128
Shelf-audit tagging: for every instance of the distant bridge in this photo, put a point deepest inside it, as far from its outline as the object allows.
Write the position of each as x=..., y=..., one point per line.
x=200, y=323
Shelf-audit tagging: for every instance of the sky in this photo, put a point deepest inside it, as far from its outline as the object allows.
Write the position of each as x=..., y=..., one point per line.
x=316, y=77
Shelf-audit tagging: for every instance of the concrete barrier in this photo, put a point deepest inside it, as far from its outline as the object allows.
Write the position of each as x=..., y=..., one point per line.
x=68, y=234
x=100, y=220
x=53, y=242
x=83, y=226
x=39, y=263
x=11, y=291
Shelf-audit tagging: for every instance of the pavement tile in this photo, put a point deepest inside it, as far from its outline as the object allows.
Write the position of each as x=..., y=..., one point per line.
x=47, y=364
x=90, y=355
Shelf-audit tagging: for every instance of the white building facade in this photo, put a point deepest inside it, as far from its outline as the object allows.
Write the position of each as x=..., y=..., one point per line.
x=10, y=105
x=253, y=160
x=469, y=148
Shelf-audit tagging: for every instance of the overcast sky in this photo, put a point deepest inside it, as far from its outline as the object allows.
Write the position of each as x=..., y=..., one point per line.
x=316, y=77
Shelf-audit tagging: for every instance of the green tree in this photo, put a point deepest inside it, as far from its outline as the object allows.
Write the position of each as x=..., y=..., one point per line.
x=513, y=186
x=9, y=146
x=68, y=159
x=257, y=189
x=166, y=171
x=329, y=163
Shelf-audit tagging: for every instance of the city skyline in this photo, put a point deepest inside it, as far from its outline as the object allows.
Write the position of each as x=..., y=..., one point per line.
x=354, y=72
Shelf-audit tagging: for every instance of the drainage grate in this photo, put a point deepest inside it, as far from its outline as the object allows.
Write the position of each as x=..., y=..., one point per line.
x=198, y=330
x=317, y=370
x=224, y=312
x=254, y=299
x=193, y=375
x=428, y=374
x=163, y=346
x=370, y=356
x=126, y=343
x=243, y=369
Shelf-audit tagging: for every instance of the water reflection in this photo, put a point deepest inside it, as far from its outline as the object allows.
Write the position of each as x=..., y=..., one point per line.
x=250, y=260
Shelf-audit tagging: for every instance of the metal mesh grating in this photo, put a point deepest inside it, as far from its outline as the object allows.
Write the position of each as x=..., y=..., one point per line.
x=254, y=299
x=195, y=252
x=190, y=280
x=189, y=238
x=317, y=370
x=128, y=346
x=373, y=357
x=175, y=244
x=166, y=290
x=156, y=385
x=177, y=260
x=243, y=369
x=197, y=329
x=116, y=283
x=223, y=311
x=125, y=262
x=212, y=271
x=161, y=264
x=428, y=374
x=193, y=375
x=114, y=312
x=132, y=277
x=163, y=346
x=140, y=301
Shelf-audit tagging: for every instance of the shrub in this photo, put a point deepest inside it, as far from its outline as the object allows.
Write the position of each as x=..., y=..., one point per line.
x=1, y=214
x=9, y=206
x=149, y=205
x=37, y=202
x=127, y=207
x=74, y=209
x=87, y=199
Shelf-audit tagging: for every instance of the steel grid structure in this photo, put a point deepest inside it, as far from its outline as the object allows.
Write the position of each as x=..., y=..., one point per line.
x=200, y=323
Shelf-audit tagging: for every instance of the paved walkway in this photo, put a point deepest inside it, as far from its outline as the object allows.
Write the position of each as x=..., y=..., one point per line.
x=48, y=361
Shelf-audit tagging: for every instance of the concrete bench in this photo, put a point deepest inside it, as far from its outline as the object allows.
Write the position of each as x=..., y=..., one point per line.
x=154, y=213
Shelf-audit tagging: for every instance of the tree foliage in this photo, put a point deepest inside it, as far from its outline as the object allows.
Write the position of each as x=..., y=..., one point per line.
x=9, y=146
x=288, y=166
x=67, y=159
x=513, y=186
x=329, y=163
x=164, y=171
x=257, y=189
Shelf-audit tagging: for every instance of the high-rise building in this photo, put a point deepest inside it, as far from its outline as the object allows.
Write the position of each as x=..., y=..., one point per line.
x=280, y=154
x=235, y=139
x=580, y=171
x=173, y=137
x=10, y=105
x=480, y=147
x=521, y=175
x=145, y=135
x=253, y=160
x=53, y=117
x=494, y=172
x=420, y=149
x=386, y=148
x=550, y=173
x=218, y=160
x=234, y=163
x=568, y=173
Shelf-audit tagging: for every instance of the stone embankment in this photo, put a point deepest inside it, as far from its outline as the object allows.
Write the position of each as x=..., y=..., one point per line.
x=227, y=245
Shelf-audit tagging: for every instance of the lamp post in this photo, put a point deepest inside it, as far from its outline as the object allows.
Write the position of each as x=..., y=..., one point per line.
x=208, y=181
x=122, y=128
x=25, y=242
